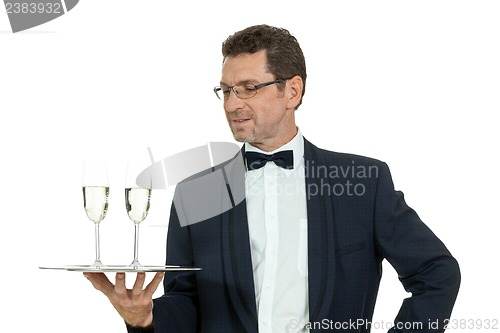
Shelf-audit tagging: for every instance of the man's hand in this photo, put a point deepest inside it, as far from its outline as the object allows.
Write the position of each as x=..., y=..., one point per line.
x=134, y=305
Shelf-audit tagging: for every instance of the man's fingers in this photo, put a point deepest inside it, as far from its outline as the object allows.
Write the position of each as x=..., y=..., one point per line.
x=139, y=283
x=100, y=282
x=120, y=287
x=153, y=285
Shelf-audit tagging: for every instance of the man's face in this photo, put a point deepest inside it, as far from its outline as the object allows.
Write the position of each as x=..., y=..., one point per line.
x=265, y=120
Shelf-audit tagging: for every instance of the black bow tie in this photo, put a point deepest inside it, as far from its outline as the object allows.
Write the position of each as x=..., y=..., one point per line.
x=282, y=159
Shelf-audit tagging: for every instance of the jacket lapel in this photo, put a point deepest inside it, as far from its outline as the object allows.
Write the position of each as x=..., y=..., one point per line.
x=238, y=265
x=321, y=246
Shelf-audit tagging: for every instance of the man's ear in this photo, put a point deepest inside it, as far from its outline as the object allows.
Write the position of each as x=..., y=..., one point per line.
x=295, y=87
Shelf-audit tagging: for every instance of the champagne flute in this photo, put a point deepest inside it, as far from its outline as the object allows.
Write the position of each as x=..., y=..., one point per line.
x=138, y=185
x=95, y=199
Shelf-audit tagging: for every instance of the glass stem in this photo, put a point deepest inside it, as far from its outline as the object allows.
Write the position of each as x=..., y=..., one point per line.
x=97, y=262
x=136, y=263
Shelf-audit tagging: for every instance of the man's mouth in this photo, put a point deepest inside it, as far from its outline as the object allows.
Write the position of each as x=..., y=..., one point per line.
x=240, y=120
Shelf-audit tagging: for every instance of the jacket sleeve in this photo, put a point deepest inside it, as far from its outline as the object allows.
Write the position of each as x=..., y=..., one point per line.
x=176, y=310
x=425, y=267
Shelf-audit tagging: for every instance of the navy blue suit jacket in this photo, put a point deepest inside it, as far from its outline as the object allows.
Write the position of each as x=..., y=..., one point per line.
x=349, y=234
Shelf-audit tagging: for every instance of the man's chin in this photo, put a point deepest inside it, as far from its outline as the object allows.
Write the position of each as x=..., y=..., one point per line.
x=243, y=137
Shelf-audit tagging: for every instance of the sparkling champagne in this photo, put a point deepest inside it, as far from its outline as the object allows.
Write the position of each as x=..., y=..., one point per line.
x=137, y=203
x=95, y=201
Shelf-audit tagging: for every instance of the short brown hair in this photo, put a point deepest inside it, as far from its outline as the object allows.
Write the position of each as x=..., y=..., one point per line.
x=284, y=55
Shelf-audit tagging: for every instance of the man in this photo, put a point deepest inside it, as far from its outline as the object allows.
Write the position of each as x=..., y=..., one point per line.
x=303, y=251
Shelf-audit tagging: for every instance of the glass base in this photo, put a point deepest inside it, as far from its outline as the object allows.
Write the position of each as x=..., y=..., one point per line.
x=97, y=264
x=136, y=264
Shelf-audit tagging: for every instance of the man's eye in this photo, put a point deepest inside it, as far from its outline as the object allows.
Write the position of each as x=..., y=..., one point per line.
x=225, y=92
x=249, y=88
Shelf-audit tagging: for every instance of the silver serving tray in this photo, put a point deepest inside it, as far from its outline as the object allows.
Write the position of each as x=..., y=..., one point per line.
x=119, y=268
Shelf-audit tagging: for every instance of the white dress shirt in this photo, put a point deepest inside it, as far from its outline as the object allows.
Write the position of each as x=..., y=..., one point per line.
x=277, y=222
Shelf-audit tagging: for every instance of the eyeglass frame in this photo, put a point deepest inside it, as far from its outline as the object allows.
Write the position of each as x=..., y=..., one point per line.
x=256, y=88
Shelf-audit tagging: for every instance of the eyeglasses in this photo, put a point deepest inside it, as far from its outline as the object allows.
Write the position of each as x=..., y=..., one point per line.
x=243, y=90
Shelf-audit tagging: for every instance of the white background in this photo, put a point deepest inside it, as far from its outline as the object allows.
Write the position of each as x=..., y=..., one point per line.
x=413, y=83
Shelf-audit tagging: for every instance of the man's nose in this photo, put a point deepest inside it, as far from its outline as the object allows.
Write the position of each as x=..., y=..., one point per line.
x=233, y=103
